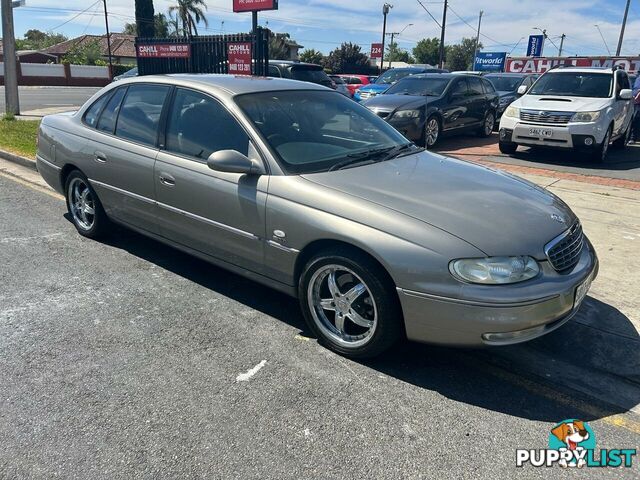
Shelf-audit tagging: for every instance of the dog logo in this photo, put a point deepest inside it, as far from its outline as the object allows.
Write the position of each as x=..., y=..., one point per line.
x=575, y=437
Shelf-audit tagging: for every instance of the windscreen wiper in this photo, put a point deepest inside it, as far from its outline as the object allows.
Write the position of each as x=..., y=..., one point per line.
x=360, y=157
x=401, y=150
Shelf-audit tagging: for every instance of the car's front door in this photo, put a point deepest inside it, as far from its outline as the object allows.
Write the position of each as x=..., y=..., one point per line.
x=455, y=110
x=217, y=213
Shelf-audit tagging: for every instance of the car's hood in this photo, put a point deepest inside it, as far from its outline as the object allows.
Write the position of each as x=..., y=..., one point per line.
x=498, y=213
x=375, y=87
x=562, y=104
x=506, y=93
x=392, y=102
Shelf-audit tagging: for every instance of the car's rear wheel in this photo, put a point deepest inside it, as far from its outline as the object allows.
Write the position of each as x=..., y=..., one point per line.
x=599, y=153
x=507, y=148
x=84, y=206
x=487, y=126
x=349, y=303
x=431, y=131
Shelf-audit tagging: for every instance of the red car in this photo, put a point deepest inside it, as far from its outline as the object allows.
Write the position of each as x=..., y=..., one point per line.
x=354, y=81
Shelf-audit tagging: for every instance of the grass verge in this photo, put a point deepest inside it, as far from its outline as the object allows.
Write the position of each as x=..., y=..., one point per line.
x=19, y=136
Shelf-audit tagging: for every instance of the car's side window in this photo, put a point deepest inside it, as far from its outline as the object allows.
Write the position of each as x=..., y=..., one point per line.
x=107, y=120
x=460, y=88
x=274, y=71
x=488, y=86
x=198, y=125
x=355, y=81
x=140, y=113
x=475, y=86
x=93, y=112
x=623, y=81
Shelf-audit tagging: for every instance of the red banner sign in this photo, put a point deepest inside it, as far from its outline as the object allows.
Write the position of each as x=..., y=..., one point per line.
x=239, y=56
x=376, y=50
x=542, y=64
x=254, y=5
x=164, y=50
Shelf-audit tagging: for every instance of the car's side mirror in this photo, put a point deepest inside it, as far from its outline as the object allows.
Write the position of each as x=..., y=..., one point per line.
x=522, y=89
x=232, y=161
x=625, y=94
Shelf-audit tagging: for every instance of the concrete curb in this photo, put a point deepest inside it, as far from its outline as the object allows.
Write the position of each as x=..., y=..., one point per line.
x=23, y=161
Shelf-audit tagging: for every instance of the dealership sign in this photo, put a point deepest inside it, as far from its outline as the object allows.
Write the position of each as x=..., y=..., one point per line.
x=376, y=50
x=254, y=5
x=489, y=61
x=164, y=50
x=542, y=64
x=535, y=46
x=239, y=56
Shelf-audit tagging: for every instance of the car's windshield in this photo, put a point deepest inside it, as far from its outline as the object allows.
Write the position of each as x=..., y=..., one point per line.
x=393, y=75
x=425, y=86
x=505, y=83
x=574, y=84
x=313, y=131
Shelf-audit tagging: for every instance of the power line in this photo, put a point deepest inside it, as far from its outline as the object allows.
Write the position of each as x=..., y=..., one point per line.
x=429, y=13
x=77, y=15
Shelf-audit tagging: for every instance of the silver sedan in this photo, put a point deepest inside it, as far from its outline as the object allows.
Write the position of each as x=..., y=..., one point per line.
x=299, y=188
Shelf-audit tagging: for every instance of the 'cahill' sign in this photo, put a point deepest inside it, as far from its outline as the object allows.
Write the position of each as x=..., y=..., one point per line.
x=164, y=50
x=376, y=50
x=254, y=5
x=239, y=56
x=542, y=64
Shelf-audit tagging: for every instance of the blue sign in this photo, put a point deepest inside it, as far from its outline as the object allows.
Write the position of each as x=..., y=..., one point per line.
x=536, y=44
x=489, y=61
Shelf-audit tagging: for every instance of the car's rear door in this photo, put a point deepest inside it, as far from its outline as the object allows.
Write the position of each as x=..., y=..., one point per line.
x=477, y=102
x=456, y=109
x=217, y=213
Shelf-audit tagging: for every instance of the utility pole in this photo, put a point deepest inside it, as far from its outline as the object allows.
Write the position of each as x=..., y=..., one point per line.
x=478, y=35
x=392, y=34
x=385, y=11
x=106, y=24
x=444, y=23
x=624, y=24
x=12, y=100
x=562, y=37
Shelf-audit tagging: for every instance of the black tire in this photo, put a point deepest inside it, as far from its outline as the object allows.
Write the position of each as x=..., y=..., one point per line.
x=387, y=326
x=428, y=140
x=622, y=142
x=97, y=224
x=488, y=124
x=599, y=153
x=507, y=148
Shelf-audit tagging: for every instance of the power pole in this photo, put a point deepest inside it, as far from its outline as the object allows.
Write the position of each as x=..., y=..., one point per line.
x=444, y=23
x=106, y=24
x=385, y=11
x=392, y=34
x=12, y=100
x=624, y=24
x=562, y=37
x=478, y=35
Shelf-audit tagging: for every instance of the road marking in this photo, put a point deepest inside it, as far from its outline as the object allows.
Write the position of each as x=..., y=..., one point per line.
x=31, y=185
x=244, y=377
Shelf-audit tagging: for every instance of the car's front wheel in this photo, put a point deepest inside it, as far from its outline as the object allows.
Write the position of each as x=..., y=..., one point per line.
x=84, y=206
x=349, y=303
x=599, y=153
x=507, y=148
x=622, y=142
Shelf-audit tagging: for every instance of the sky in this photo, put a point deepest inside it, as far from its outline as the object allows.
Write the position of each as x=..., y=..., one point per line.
x=325, y=24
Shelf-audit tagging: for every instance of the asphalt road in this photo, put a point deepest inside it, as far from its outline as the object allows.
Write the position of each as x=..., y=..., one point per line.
x=121, y=359
x=49, y=98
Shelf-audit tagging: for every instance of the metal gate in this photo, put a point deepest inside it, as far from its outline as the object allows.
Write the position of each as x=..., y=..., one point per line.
x=200, y=54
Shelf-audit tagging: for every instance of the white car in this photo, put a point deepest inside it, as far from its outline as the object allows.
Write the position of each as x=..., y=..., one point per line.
x=584, y=109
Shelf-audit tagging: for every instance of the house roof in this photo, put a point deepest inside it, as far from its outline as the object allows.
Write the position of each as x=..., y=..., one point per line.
x=121, y=45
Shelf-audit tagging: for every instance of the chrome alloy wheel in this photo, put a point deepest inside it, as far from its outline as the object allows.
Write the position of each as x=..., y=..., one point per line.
x=342, y=305
x=489, y=123
x=432, y=131
x=82, y=204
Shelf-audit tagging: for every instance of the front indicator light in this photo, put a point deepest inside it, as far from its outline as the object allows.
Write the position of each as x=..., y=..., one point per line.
x=494, y=270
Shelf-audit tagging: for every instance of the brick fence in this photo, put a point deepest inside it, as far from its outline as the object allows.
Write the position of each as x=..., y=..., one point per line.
x=46, y=74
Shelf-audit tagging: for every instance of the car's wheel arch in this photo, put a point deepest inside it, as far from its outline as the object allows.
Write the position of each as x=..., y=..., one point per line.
x=65, y=172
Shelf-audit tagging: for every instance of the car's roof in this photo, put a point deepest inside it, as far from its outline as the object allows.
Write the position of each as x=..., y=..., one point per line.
x=293, y=63
x=509, y=74
x=602, y=70
x=231, y=84
x=436, y=75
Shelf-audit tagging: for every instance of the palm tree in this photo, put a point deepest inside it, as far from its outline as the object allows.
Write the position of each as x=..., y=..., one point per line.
x=190, y=12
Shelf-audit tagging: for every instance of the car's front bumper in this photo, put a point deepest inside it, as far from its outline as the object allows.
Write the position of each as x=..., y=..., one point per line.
x=572, y=135
x=411, y=128
x=459, y=322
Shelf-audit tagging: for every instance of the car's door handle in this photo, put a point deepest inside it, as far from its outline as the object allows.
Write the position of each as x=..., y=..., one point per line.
x=100, y=157
x=167, y=179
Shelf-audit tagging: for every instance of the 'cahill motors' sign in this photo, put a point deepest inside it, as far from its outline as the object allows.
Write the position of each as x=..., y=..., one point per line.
x=164, y=50
x=254, y=5
x=542, y=64
x=239, y=56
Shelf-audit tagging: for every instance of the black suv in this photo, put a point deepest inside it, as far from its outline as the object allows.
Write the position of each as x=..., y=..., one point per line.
x=306, y=72
x=425, y=107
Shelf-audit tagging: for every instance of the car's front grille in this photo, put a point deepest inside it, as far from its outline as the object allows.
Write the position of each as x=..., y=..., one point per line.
x=364, y=95
x=564, y=251
x=545, y=117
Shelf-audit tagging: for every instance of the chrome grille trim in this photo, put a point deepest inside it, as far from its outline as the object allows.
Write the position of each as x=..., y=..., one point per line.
x=546, y=117
x=564, y=251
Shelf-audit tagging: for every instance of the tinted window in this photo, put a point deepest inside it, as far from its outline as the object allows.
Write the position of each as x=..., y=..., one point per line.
x=460, y=88
x=107, y=121
x=488, y=86
x=140, y=113
x=199, y=126
x=355, y=81
x=505, y=83
x=395, y=74
x=623, y=81
x=430, y=87
x=475, y=86
x=273, y=71
x=310, y=74
x=574, y=84
x=91, y=117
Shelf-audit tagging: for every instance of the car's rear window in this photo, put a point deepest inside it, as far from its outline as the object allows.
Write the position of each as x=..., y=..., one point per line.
x=310, y=74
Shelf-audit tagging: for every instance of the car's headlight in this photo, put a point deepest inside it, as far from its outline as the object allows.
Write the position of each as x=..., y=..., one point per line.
x=585, y=117
x=513, y=112
x=407, y=114
x=495, y=270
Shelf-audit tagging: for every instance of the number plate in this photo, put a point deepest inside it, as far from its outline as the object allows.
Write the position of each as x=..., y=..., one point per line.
x=540, y=132
x=581, y=291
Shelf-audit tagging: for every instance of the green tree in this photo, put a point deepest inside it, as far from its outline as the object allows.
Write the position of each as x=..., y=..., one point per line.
x=160, y=26
x=347, y=58
x=396, y=54
x=278, y=49
x=427, y=51
x=190, y=13
x=460, y=56
x=86, y=53
x=310, y=55
x=144, y=18
x=36, y=39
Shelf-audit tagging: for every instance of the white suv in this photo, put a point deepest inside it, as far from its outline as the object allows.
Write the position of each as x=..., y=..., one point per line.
x=578, y=108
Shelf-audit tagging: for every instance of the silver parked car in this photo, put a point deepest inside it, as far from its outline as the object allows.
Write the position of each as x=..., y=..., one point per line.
x=304, y=190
